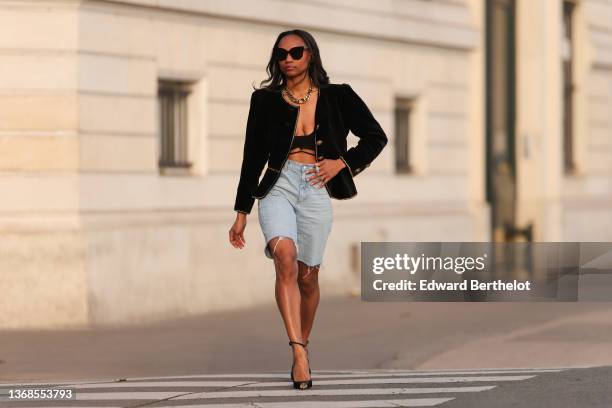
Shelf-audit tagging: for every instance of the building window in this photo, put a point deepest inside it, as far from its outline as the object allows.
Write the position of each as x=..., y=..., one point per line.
x=567, y=60
x=403, y=112
x=173, y=125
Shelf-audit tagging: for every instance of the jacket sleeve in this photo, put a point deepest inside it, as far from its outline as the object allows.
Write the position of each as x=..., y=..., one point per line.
x=254, y=158
x=361, y=122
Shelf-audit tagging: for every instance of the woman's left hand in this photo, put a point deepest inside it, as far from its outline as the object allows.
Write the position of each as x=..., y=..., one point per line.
x=328, y=168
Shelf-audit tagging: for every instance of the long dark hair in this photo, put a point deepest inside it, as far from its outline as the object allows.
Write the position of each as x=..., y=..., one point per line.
x=317, y=73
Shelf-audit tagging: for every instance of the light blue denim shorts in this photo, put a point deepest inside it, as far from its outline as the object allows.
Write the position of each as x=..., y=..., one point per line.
x=293, y=208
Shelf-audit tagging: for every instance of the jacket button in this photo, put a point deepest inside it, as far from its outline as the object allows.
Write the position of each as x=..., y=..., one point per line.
x=319, y=141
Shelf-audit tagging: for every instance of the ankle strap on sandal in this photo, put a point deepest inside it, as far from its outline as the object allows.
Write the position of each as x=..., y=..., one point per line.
x=297, y=342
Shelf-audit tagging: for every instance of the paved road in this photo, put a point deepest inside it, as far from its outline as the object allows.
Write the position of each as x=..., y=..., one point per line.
x=349, y=335
x=551, y=387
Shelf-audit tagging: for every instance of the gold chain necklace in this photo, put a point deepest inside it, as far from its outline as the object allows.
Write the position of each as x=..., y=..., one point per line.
x=301, y=100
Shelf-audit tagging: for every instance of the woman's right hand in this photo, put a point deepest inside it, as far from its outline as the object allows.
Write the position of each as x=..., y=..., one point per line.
x=236, y=233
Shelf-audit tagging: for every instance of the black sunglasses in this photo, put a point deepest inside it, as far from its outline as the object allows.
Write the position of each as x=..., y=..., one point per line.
x=280, y=54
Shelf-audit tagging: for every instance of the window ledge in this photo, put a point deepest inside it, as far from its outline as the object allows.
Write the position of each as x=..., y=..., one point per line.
x=175, y=171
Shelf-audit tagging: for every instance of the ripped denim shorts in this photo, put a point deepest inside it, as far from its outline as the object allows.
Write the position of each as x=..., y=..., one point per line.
x=293, y=208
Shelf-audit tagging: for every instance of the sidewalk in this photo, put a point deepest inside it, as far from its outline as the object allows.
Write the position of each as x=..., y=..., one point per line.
x=348, y=334
x=582, y=339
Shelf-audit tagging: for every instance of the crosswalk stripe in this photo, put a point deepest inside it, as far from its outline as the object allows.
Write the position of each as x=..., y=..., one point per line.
x=319, y=373
x=350, y=374
x=25, y=384
x=358, y=381
x=360, y=372
x=334, y=392
x=417, y=374
x=416, y=380
x=234, y=393
x=378, y=372
x=416, y=402
x=319, y=379
x=159, y=384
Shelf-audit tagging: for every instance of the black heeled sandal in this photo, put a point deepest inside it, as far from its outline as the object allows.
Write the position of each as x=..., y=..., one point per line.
x=301, y=385
x=309, y=371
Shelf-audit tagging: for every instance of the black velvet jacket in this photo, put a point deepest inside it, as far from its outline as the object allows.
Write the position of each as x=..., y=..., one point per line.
x=271, y=127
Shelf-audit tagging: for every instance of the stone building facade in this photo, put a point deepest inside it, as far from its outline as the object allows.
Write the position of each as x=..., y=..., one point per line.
x=497, y=112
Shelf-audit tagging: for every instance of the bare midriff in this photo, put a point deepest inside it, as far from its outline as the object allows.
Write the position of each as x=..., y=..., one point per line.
x=300, y=156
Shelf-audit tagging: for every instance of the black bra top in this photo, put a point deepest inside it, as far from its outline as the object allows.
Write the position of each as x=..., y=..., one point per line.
x=304, y=142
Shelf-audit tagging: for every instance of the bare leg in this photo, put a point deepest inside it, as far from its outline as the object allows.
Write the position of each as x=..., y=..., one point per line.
x=288, y=299
x=308, y=282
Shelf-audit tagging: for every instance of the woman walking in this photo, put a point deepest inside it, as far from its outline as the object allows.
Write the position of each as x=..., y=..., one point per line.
x=298, y=125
